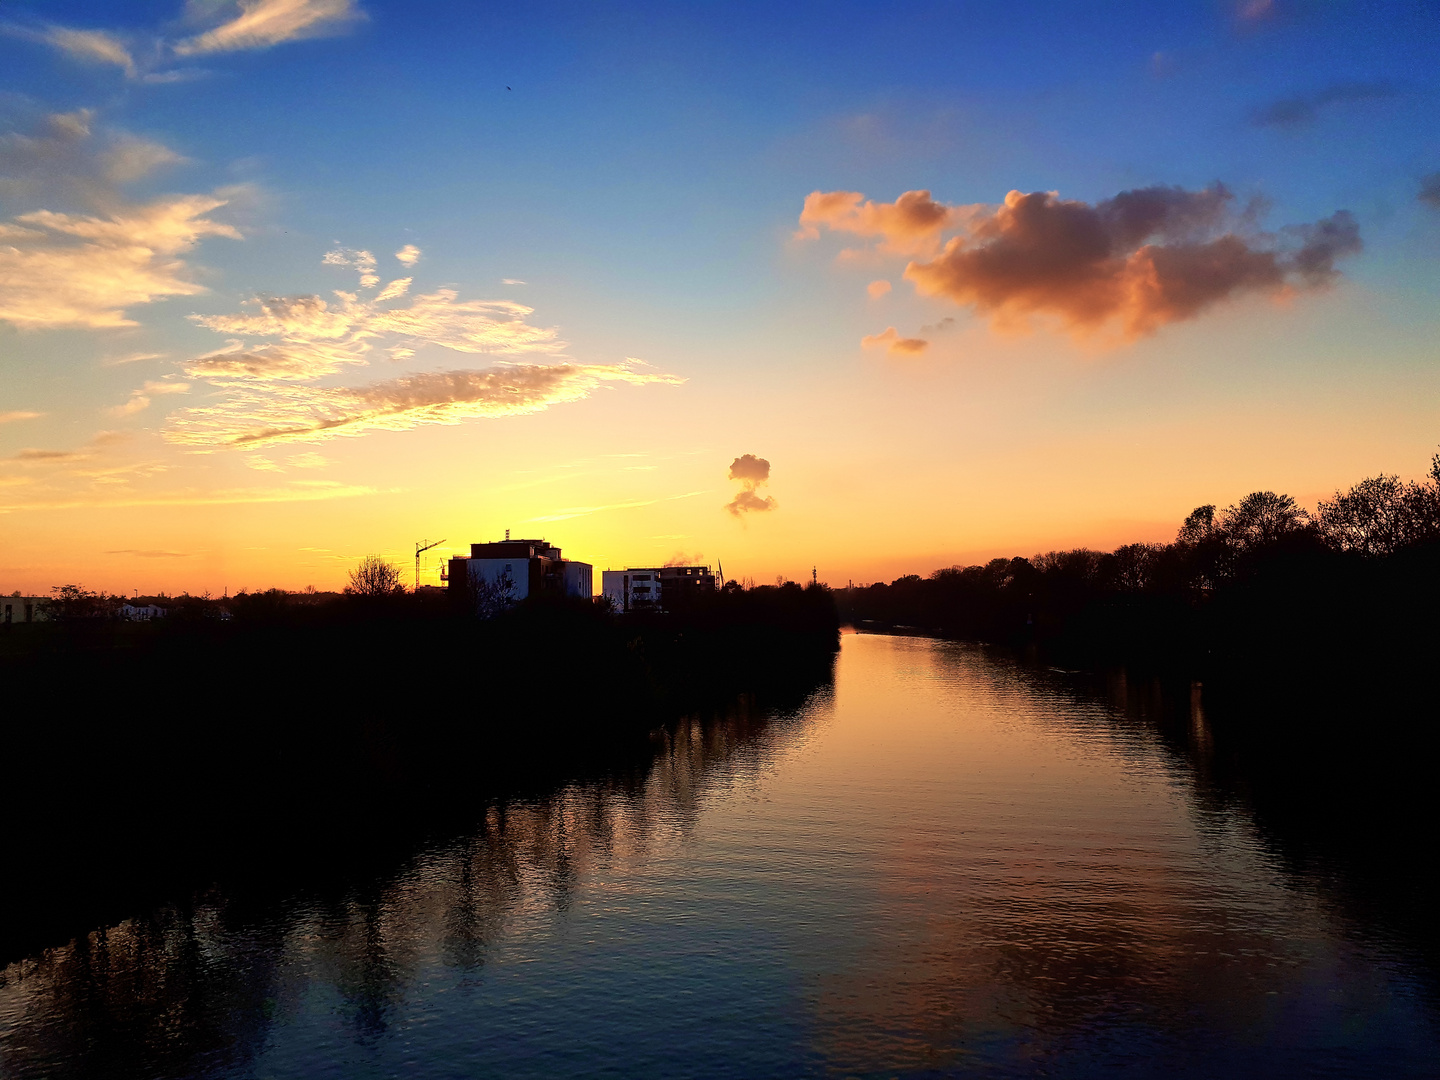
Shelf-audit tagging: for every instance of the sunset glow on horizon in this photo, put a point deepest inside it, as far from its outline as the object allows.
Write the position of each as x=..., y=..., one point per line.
x=287, y=282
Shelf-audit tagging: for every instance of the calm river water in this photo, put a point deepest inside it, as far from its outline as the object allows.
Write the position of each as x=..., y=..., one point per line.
x=941, y=865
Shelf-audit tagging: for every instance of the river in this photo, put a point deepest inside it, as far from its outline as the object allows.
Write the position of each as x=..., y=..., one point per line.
x=943, y=864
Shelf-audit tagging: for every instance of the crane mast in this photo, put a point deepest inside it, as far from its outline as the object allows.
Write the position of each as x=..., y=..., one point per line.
x=420, y=547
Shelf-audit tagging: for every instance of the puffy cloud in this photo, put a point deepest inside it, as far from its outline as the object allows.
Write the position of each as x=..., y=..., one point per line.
x=1298, y=111
x=261, y=413
x=409, y=255
x=1430, y=191
x=877, y=289
x=911, y=223
x=261, y=24
x=890, y=340
x=751, y=471
x=1142, y=259
x=85, y=270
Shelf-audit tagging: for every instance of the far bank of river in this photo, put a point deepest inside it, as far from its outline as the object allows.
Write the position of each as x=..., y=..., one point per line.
x=941, y=863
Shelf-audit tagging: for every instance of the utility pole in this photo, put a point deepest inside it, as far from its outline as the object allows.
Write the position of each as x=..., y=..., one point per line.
x=421, y=545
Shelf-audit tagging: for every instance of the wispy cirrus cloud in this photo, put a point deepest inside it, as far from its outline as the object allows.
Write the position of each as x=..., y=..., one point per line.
x=15, y=415
x=86, y=268
x=260, y=415
x=140, y=399
x=1133, y=263
x=218, y=26
x=263, y=24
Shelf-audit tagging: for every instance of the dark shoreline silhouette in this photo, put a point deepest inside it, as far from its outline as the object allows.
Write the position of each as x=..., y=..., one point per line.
x=146, y=760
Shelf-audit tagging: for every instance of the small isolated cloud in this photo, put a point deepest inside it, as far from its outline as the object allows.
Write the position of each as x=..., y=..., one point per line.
x=1255, y=10
x=261, y=24
x=752, y=472
x=877, y=289
x=396, y=289
x=1298, y=111
x=140, y=399
x=512, y=281
x=149, y=553
x=408, y=255
x=18, y=414
x=1429, y=193
x=362, y=261
x=130, y=358
x=890, y=340
x=939, y=327
x=308, y=461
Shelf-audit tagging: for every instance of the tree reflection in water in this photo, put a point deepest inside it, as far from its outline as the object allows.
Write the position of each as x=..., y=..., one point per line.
x=194, y=990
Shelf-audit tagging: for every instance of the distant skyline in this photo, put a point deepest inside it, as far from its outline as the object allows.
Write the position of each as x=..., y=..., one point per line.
x=287, y=282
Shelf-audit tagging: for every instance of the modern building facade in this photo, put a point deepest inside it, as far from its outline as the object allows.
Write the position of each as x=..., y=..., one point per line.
x=655, y=588
x=517, y=569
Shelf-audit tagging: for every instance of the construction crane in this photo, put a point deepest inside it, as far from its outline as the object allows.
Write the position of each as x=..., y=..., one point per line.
x=422, y=546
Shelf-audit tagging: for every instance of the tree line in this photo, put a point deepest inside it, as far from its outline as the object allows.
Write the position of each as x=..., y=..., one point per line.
x=1261, y=578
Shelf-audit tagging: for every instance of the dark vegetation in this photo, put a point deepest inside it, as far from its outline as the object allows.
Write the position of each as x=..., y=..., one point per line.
x=1341, y=606
x=142, y=758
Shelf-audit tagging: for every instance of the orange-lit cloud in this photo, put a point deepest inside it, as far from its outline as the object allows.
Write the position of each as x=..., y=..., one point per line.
x=877, y=289
x=261, y=24
x=81, y=270
x=912, y=223
x=263, y=413
x=409, y=255
x=1134, y=263
x=140, y=399
x=86, y=269
x=890, y=340
x=18, y=414
x=751, y=471
x=1140, y=260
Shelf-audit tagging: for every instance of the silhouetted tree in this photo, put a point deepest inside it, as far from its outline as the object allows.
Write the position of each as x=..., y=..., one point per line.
x=375, y=577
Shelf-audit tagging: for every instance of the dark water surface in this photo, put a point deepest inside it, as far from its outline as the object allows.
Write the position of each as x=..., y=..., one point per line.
x=942, y=865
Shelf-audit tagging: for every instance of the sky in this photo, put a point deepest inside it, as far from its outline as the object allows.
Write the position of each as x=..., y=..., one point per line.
x=860, y=289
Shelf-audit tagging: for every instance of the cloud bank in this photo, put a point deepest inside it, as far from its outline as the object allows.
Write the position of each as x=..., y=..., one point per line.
x=1132, y=263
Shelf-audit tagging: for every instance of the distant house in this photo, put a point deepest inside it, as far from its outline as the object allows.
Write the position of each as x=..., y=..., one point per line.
x=141, y=612
x=17, y=608
x=517, y=569
x=655, y=588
